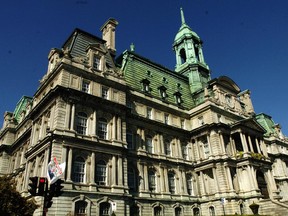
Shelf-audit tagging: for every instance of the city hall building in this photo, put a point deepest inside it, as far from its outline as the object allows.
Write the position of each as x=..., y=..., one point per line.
x=140, y=139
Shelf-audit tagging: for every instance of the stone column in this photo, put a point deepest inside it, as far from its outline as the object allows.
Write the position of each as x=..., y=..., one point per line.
x=162, y=147
x=114, y=128
x=94, y=123
x=162, y=181
x=72, y=117
x=180, y=187
x=222, y=144
x=209, y=145
x=92, y=168
x=64, y=159
x=166, y=180
x=114, y=175
x=69, y=164
x=257, y=145
x=216, y=181
x=244, y=143
x=146, y=183
x=119, y=128
x=67, y=116
x=120, y=171
x=229, y=177
x=36, y=168
x=250, y=144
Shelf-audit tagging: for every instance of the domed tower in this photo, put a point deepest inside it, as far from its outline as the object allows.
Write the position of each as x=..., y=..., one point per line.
x=189, y=56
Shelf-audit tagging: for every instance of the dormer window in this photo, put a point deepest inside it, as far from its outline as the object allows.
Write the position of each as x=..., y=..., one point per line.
x=162, y=91
x=178, y=98
x=145, y=85
x=96, y=62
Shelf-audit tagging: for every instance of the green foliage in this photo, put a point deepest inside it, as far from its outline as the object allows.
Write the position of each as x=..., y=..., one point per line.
x=11, y=201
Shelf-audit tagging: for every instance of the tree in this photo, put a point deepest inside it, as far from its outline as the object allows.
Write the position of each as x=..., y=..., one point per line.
x=11, y=201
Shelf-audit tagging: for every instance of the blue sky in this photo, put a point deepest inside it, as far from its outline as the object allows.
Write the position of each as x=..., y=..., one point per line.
x=243, y=39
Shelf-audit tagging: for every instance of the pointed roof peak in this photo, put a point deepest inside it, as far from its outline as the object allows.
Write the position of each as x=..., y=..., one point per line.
x=182, y=16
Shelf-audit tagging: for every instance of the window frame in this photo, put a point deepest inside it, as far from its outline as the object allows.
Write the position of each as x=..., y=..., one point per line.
x=101, y=173
x=102, y=128
x=79, y=170
x=81, y=123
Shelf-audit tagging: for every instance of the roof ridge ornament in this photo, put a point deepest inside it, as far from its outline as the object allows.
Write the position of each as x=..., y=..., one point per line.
x=182, y=16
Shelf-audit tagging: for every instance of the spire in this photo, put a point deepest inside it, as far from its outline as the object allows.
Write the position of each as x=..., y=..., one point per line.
x=182, y=16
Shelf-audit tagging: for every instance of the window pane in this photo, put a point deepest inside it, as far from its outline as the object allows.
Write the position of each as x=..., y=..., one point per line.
x=105, y=92
x=81, y=123
x=152, y=181
x=149, y=145
x=101, y=173
x=96, y=63
x=80, y=208
x=85, y=86
x=79, y=170
x=105, y=209
x=102, y=129
x=171, y=181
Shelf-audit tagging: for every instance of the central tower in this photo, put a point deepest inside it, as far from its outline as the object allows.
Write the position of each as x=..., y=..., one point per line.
x=189, y=56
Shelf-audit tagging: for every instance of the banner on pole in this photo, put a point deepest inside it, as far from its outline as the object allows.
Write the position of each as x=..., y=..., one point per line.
x=55, y=170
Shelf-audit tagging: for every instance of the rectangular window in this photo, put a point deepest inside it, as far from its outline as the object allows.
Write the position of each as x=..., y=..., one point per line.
x=105, y=91
x=149, y=145
x=102, y=130
x=96, y=63
x=149, y=113
x=185, y=152
x=167, y=149
x=171, y=181
x=182, y=123
x=101, y=174
x=85, y=86
x=166, y=118
x=129, y=139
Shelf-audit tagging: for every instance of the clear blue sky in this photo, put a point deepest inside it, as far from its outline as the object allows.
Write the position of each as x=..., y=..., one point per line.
x=243, y=39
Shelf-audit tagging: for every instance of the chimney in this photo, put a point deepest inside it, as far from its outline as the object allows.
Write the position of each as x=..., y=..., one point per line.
x=108, y=34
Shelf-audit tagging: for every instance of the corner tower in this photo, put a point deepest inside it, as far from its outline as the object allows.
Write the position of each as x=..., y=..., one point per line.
x=189, y=56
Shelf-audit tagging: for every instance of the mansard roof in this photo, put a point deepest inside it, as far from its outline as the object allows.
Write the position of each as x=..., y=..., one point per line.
x=137, y=68
x=78, y=42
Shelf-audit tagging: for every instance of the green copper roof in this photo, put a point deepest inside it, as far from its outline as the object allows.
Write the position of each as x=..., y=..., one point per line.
x=185, y=31
x=138, y=69
x=21, y=106
x=266, y=122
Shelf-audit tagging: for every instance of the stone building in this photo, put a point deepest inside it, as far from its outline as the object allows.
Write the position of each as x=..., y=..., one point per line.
x=141, y=139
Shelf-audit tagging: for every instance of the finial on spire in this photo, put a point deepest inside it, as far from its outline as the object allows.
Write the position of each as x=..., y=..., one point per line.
x=182, y=16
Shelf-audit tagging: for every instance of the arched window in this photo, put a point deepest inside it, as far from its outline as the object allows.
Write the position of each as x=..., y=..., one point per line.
x=189, y=184
x=105, y=209
x=152, y=180
x=102, y=128
x=101, y=173
x=185, y=151
x=167, y=148
x=149, y=145
x=178, y=211
x=157, y=211
x=79, y=170
x=80, y=208
x=196, y=211
x=171, y=182
x=132, y=179
x=81, y=123
x=212, y=211
x=183, y=55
